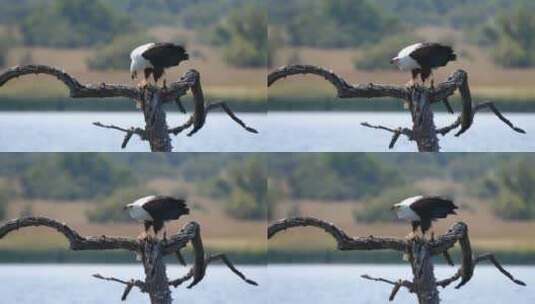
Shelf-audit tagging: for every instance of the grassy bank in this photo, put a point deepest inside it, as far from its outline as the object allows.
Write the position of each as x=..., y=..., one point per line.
x=61, y=255
x=109, y=105
x=382, y=104
x=382, y=257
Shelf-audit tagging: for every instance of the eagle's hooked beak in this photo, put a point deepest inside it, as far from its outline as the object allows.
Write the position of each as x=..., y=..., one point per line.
x=126, y=207
x=393, y=208
x=394, y=61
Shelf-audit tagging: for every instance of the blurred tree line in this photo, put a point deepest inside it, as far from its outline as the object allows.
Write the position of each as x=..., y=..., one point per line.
x=244, y=187
x=511, y=189
x=331, y=23
x=249, y=186
x=505, y=28
x=511, y=37
x=243, y=36
x=114, y=27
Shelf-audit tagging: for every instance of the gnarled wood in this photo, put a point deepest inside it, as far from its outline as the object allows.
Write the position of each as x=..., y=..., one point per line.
x=151, y=100
x=419, y=251
x=419, y=99
x=152, y=251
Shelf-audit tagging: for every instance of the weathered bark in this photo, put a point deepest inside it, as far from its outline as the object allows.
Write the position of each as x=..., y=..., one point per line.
x=151, y=100
x=419, y=99
x=423, y=128
x=156, y=281
x=151, y=250
x=424, y=281
x=420, y=254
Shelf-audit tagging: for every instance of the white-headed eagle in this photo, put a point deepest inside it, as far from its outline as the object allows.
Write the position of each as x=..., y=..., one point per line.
x=154, y=58
x=155, y=210
x=423, y=210
x=422, y=58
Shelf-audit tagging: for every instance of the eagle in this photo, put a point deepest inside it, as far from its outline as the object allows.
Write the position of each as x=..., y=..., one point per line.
x=422, y=58
x=423, y=210
x=154, y=58
x=155, y=210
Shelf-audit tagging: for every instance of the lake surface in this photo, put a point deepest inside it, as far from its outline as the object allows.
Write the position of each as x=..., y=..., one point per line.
x=279, y=132
x=281, y=284
x=341, y=284
x=65, y=284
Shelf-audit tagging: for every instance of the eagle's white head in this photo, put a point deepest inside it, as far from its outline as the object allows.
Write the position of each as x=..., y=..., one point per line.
x=138, y=63
x=403, y=209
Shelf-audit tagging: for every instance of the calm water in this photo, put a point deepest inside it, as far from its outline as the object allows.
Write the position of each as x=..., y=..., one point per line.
x=65, y=284
x=279, y=132
x=281, y=284
x=341, y=284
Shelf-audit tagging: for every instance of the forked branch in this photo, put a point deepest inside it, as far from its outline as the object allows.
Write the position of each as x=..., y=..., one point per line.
x=419, y=99
x=208, y=260
x=151, y=251
x=150, y=99
x=458, y=233
x=76, y=241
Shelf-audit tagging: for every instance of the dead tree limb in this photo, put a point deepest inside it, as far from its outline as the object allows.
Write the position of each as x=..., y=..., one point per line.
x=152, y=251
x=419, y=251
x=419, y=100
x=149, y=99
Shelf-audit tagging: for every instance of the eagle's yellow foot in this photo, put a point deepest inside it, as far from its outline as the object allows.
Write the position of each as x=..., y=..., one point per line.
x=142, y=236
x=144, y=84
x=411, y=83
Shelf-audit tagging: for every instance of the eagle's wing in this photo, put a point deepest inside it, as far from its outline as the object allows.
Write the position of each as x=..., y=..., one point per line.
x=165, y=55
x=433, y=55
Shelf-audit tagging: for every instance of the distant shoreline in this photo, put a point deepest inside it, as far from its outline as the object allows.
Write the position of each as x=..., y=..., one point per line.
x=65, y=256
x=63, y=104
x=382, y=257
x=275, y=104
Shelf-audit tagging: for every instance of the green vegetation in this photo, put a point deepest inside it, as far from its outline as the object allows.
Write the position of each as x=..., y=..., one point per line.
x=331, y=23
x=116, y=55
x=244, y=187
x=511, y=38
x=73, y=23
x=4, y=48
x=243, y=37
x=378, y=209
x=377, y=56
x=111, y=208
x=343, y=176
x=512, y=191
x=73, y=176
x=3, y=205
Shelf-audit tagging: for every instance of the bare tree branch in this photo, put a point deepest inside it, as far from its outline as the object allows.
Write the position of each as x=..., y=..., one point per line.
x=478, y=108
x=344, y=242
x=129, y=132
x=76, y=241
x=151, y=100
x=208, y=260
x=397, y=132
x=420, y=252
x=397, y=285
x=203, y=112
x=129, y=284
x=344, y=90
x=76, y=89
x=486, y=257
x=418, y=97
x=151, y=251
